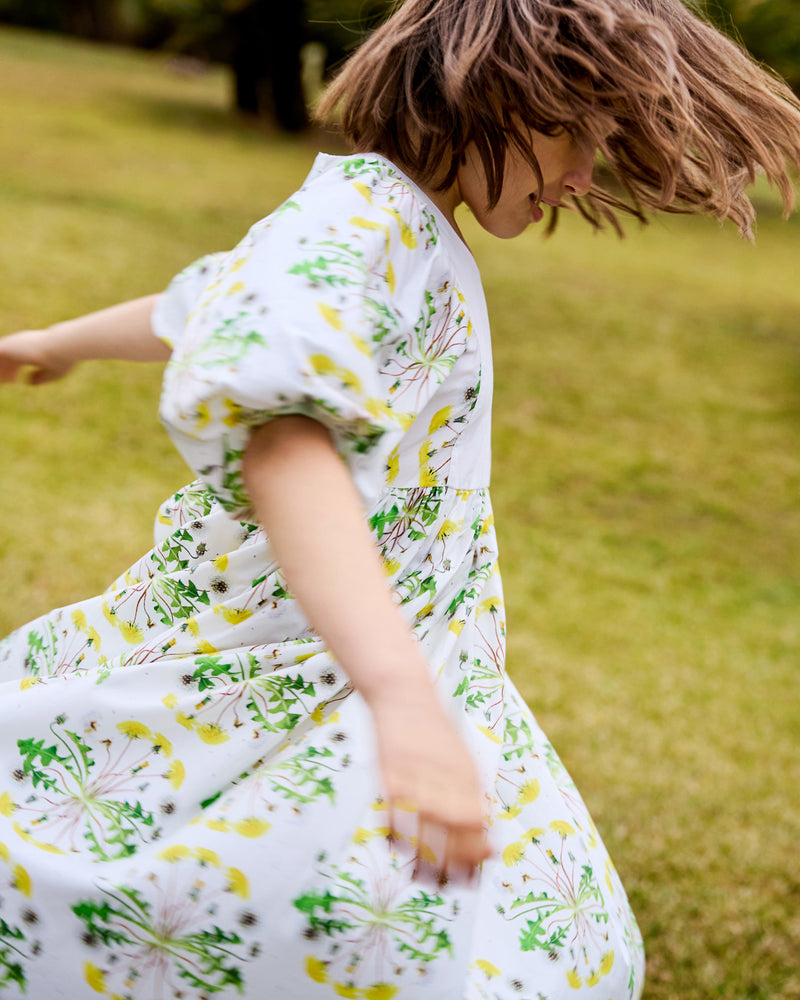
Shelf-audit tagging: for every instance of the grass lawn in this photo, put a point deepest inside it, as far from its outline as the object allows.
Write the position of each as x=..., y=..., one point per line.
x=647, y=474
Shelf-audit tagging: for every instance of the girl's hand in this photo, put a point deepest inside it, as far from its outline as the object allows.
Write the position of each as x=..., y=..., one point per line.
x=123, y=332
x=432, y=785
x=31, y=349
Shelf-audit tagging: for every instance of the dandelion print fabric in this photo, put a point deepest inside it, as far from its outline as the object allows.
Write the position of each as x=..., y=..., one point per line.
x=189, y=800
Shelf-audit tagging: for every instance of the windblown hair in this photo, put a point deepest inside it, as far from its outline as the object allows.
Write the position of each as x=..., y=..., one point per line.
x=684, y=118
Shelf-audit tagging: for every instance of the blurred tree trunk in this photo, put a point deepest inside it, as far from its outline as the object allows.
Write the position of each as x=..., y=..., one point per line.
x=267, y=36
x=95, y=19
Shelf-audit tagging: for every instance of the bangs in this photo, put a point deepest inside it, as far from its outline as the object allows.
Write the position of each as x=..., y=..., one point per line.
x=683, y=117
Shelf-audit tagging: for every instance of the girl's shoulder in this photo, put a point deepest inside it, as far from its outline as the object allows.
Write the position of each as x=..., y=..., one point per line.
x=363, y=193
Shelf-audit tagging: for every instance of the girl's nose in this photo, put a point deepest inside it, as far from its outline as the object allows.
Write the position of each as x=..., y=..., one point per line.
x=578, y=179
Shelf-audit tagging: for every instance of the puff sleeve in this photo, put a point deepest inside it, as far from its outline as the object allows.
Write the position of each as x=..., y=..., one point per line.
x=314, y=313
x=174, y=305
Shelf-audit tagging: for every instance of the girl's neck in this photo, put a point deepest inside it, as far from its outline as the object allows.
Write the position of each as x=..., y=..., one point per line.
x=445, y=200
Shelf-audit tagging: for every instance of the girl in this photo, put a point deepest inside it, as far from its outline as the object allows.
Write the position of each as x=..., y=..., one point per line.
x=251, y=767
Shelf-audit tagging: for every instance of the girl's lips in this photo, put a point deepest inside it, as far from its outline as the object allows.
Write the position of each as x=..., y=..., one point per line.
x=537, y=212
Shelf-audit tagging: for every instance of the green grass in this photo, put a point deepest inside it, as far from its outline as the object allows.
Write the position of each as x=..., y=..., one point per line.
x=647, y=473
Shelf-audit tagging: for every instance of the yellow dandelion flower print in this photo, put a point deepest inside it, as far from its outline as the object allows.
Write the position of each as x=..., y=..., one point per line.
x=529, y=792
x=202, y=417
x=391, y=566
x=237, y=883
x=407, y=235
x=79, y=619
x=561, y=826
x=211, y=733
x=534, y=834
x=7, y=806
x=360, y=344
x=439, y=419
x=427, y=477
x=486, y=967
x=316, y=969
x=234, y=414
x=135, y=730
x=233, y=616
x=162, y=744
x=446, y=530
x=574, y=979
x=333, y=317
x=392, y=466
x=49, y=848
x=513, y=853
x=346, y=990
x=22, y=880
x=176, y=852
x=220, y=825
x=251, y=827
x=130, y=632
x=94, y=977
x=176, y=774
x=381, y=991
x=208, y=857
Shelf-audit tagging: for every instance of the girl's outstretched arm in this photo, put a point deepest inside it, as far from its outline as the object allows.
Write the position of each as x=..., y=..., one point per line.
x=123, y=331
x=305, y=499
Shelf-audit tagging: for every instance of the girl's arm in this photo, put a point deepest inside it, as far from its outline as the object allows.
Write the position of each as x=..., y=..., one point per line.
x=122, y=332
x=305, y=499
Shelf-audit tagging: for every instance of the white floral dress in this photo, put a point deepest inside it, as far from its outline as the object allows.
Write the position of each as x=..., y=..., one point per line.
x=189, y=799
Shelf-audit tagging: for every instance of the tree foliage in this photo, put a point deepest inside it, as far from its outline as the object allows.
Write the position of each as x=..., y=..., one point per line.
x=769, y=29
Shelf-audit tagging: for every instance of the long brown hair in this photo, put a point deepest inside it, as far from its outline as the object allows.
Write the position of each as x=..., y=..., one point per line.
x=683, y=116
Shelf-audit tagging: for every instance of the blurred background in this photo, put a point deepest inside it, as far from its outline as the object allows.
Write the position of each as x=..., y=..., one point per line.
x=268, y=43
x=646, y=441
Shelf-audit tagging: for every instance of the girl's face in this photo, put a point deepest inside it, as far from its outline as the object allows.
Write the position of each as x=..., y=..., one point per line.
x=566, y=164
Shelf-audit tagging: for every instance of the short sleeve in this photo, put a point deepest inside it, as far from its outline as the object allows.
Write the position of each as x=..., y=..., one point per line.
x=311, y=314
x=183, y=293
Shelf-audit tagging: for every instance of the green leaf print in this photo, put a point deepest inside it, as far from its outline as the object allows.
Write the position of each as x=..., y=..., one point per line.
x=517, y=738
x=30, y=751
x=359, y=166
x=306, y=776
x=42, y=655
x=416, y=585
x=76, y=796
x=338, y=266
x=11, y=969
x=368, y=925
x=312, y=903
x=163, y=941
x=229, y=343
x=274, y=701
x=535, y=936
